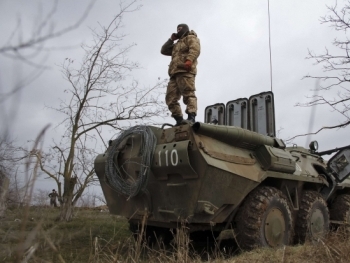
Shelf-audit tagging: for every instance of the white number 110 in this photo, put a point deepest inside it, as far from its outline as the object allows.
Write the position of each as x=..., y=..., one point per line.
x=174, y=157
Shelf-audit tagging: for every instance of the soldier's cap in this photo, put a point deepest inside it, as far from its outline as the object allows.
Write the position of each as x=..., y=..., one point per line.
x=183, y=25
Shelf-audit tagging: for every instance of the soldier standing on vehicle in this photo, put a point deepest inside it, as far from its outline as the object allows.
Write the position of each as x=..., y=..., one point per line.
x=53, y=198
x=182, y=72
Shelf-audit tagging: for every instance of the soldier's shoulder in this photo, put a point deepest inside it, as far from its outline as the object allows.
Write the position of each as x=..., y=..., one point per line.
x=193, y=38
x=192, y=34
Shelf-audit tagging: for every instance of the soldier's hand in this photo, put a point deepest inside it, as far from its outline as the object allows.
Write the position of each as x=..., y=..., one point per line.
x=174, y=36
x=188, y=65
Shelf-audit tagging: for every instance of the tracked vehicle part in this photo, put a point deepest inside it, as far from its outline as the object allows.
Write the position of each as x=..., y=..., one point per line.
x=264, y=219
x=340, y=209
x=313, y=217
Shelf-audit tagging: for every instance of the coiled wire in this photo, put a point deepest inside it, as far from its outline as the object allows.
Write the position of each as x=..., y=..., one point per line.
x=125, y=183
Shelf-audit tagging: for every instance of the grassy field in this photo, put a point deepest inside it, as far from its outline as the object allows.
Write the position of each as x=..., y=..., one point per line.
x=80, y=240
x=93, y=236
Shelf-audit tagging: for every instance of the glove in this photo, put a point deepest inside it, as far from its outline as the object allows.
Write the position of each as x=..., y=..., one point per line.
x=188, y=65
x=174, y=37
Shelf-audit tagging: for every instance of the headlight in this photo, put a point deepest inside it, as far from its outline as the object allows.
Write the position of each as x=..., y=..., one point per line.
x=313, y=146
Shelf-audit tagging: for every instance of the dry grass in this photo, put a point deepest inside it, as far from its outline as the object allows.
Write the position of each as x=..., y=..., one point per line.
x=45, y=240
x=335, y=248
x=99, y=237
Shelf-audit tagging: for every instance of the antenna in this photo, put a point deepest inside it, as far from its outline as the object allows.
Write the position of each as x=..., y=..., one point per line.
x=268, y=10
x=312, y=115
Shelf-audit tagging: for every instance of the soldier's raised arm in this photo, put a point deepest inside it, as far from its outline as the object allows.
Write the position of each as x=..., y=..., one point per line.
x=168, y=46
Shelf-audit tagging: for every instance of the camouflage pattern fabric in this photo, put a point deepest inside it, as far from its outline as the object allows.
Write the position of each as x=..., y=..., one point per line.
x=181, y=84
x=186, y=48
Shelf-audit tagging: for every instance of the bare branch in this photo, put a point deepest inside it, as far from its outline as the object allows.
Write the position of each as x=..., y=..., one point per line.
x=336, y=66
x=39, y=37
x=321, y=129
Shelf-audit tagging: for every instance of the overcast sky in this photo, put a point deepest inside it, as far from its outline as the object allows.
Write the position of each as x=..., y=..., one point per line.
x=234, y=60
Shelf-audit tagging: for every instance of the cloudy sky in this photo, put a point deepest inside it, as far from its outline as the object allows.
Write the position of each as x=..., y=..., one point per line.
x=234, y=60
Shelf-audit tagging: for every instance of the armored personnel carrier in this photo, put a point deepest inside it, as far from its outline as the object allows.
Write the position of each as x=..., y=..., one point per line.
x=228, y=172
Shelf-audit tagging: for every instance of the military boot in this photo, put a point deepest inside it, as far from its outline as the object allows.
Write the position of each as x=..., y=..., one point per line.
x=191, y=118
x=179, y=120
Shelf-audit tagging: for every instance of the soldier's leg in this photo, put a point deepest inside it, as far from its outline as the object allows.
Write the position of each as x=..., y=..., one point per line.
x=186, y=83
x=172, y=98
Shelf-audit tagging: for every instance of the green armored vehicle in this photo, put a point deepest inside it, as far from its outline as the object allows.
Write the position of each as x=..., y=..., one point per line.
x=229, y=172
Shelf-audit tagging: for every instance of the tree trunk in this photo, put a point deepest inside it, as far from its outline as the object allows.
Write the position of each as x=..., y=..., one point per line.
x=4, y=186
x=66, y=202
x=66, y=210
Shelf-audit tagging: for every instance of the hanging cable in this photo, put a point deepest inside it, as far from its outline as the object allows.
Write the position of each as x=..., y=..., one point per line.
x=118, y=177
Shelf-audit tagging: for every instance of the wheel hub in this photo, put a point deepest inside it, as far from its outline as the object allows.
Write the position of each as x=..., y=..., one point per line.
x=317, y=223
x=275, y=227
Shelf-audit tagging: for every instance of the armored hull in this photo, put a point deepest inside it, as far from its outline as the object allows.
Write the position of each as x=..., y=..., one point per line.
x=214, y=176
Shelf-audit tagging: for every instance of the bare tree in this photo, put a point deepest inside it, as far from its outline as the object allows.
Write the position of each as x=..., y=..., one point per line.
x=335, y=64
x=99, y=96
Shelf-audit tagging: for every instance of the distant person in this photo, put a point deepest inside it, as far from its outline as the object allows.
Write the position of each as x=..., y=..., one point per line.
x=182, y=72
x=53, y=198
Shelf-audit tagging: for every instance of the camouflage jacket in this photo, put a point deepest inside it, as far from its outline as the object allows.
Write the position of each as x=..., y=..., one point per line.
x=186, y=48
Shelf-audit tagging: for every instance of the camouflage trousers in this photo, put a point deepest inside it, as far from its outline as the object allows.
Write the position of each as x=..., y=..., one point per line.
x=181, y=84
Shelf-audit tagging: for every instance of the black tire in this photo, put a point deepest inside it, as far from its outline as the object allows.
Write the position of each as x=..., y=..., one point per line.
x=312, y=219
x=340, y=209
x=264, y=220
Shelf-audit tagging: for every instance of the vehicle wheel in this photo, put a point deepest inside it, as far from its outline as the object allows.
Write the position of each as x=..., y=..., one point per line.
x=264, y=219
x=340, y=209
x=313, y=217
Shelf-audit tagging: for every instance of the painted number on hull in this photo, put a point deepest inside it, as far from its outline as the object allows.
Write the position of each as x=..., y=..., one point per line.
x=173, y=156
